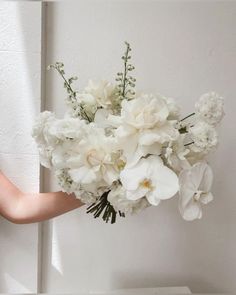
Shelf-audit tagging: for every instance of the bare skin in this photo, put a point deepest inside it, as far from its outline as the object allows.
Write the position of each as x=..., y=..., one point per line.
x=21, y=208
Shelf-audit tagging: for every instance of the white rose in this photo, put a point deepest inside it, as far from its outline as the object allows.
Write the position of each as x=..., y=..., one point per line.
x=146, y=111
x=210, y=108
x=143, y=127
x=101, y=91
x=204, y=137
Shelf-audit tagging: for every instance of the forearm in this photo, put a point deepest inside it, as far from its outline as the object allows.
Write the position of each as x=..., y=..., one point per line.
x=43, y=206
x=20, y=207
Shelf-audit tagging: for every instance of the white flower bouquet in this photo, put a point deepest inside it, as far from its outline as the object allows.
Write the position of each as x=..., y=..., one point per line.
x=120, y=151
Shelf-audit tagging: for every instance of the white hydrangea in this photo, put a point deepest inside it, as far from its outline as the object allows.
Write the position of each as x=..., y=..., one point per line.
x=81, y=192
x=117, y=198
x=204, y=137
x=210, y=108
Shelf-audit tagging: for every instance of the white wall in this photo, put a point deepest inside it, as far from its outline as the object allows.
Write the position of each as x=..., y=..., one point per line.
x=181, y=49
x=20, y=87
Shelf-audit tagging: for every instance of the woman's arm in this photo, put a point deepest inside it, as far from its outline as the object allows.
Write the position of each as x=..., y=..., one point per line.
x=19, y=207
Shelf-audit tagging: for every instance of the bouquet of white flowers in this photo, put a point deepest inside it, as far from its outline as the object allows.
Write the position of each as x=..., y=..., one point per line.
x=120, y=151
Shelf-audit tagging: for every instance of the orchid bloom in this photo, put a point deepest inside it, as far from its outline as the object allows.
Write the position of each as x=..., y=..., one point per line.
x=150, y=178
x=195, y=186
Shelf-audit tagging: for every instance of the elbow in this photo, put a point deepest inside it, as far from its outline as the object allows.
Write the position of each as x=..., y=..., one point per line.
x=17, y=219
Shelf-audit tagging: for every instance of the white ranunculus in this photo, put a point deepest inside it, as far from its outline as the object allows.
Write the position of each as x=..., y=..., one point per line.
x=204, y=137
x=195, y=186
x=102, y=92
x=117, y=198
x=210, y=108
x=150, y=178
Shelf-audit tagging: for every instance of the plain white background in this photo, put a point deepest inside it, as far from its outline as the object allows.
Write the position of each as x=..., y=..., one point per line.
x=181, y=49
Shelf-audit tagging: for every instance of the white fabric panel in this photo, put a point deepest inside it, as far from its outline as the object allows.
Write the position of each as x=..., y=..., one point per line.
x=20, y=87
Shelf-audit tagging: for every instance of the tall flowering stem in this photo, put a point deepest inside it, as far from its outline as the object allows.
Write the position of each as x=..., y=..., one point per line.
x=72, y=94
x=126, y=83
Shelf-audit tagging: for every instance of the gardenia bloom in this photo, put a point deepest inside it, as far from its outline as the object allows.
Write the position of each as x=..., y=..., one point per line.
x=95, y=162
x=143, y=127
x=101, y=92
x=204, y=137
x=150, y=178
x=195, y=186
x=117, y=198
x=210, y=108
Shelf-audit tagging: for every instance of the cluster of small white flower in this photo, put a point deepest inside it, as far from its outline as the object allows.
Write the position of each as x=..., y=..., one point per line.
x=137, y=151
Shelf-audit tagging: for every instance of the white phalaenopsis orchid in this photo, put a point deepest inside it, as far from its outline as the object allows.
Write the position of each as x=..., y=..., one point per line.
x=149, y=178
x=195, y=189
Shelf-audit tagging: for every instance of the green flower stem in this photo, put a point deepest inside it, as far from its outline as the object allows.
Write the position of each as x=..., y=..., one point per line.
x=187, y=144
x=59, y=67
x=187, y=117
x=125, y=70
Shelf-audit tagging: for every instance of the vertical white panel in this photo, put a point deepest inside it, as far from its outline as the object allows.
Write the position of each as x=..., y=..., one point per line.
x=180, y=49
x=20, y=88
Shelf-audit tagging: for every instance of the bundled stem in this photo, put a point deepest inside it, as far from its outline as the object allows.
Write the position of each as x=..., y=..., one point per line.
x=104, y=206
